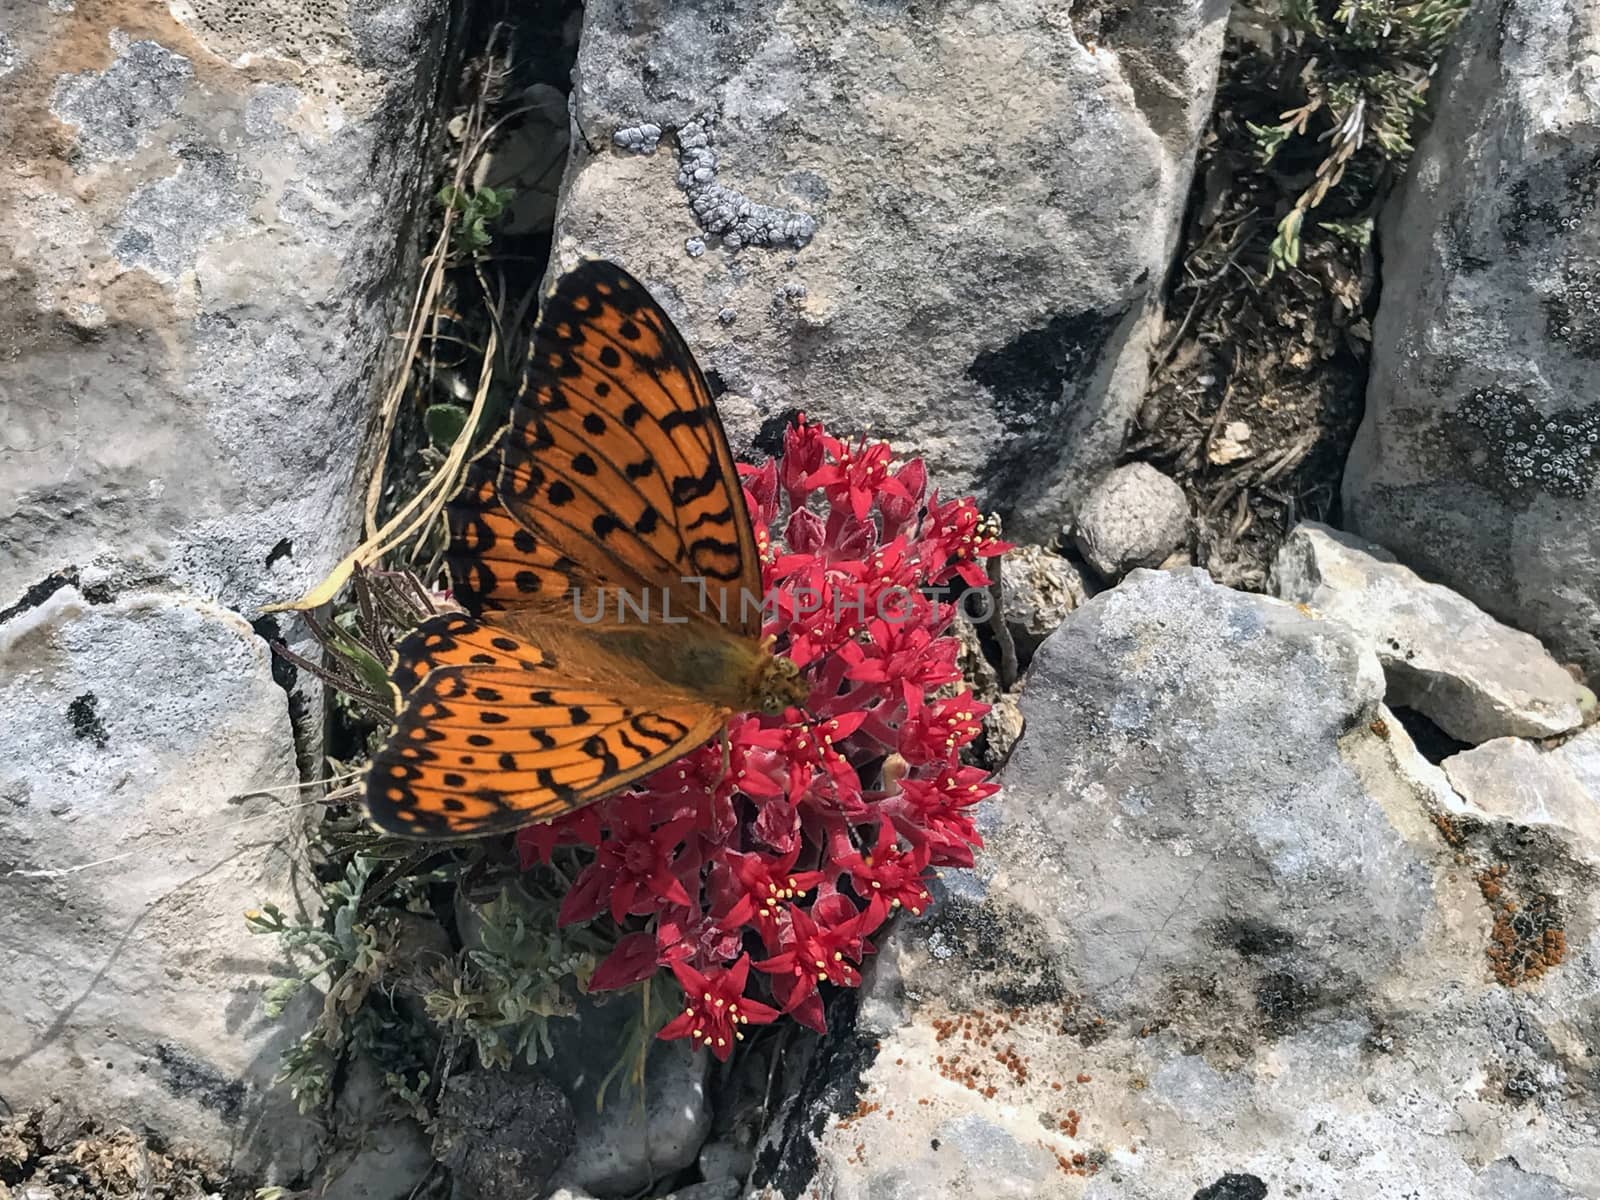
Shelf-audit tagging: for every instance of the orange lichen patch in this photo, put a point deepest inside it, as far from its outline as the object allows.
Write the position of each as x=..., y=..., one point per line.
x=1076, y=1162
x=1527, y=937
x=864, y=1109
x=1448, y=829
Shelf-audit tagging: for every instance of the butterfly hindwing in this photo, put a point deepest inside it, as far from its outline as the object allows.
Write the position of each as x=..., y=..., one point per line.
x=494, y=733
x=616, y=457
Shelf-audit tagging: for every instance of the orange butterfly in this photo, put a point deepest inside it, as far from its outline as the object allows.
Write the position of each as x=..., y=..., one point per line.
x=613, y=480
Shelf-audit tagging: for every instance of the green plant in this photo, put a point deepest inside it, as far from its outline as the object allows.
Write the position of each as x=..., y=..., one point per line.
x=475, y=211
x=505, y=989
x=346, y=953
x=1364, y=71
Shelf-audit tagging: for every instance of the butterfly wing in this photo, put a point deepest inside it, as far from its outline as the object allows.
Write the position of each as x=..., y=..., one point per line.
x=495, y=562
x=615, y=461
x=494, y=733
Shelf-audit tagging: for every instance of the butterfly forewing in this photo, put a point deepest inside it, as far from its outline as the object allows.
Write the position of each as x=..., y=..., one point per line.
x=616, y=455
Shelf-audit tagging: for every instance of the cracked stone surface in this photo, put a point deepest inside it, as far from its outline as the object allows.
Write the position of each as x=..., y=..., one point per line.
x=1478, y=461
x=1230, y=936
x=205, y=247
x=1443, y=655
x=953, y=221
x=137, y=731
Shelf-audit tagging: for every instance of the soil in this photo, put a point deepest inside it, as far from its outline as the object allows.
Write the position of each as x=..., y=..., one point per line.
x=1259, y=385
x=53, y=1152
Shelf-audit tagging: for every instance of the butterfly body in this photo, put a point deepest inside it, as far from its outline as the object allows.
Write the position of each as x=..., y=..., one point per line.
x=605, y=560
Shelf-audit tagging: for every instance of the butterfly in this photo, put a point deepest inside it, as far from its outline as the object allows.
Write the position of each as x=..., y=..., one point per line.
x=611, y=580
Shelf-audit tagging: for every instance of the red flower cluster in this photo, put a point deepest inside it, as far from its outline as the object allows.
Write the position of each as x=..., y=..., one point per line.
x=785, y=854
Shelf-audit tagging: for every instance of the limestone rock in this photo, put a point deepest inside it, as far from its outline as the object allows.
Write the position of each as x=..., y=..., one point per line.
x=622, y=1147
x=1443, y=655
x=1134, y=517
x=1515, y=781
x=838, y=218
x=1478, y=461
x=1230, y=936
x=205, y=214
x=1040, y=589
x=143, y=810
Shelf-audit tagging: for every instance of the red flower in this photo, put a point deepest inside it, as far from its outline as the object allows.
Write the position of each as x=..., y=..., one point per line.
x=932, y=733
x=716, y=1007
x=964, y=537
x=701, y=855
x=890, y=872
x=821, y=950
x=805, y=448
x=857, y=477
x=934, y=812
x=755, y=889
x=632, y=873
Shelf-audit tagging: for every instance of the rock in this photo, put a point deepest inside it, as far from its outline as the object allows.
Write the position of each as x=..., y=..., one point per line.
x=1443, y=655
x=712, y=1189
x=1040, y=589
x=1230, y=936
x=1134, y=517
x=374, y=1154
x=1478, y=461
x=625, y=1145
x=1515, y=781
x=503, y=1134
x=843, y=182
x=199, y=216
x=527, y=160
x=390, y=1163
x=143, y=809
x=724, y=1160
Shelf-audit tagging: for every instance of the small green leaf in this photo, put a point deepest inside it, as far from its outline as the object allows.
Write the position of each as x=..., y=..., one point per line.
x=444, y=423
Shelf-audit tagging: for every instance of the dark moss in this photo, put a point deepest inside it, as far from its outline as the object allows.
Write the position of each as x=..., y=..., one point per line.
x=83, y=714
x=1234, y=1187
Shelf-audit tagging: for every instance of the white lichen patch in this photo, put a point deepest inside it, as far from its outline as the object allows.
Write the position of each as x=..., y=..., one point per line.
x=118, y=110
x=724, y=212
x=166, y=223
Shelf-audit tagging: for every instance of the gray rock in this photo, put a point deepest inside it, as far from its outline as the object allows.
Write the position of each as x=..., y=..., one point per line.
x=390, y=1162
x=144, y=807
x=711, y=1189
x=374, y=1154
x=1443, y=655
x=1515, y=781
x=1230, y=936
x=725, y=1159
x=199, y=218
x=1134, y=517
x=1478, y=461
x=632, y=1140
x=528, y=162
x=115, y=111
x=503, y=1134
x=861, y=154
x=1041, y=588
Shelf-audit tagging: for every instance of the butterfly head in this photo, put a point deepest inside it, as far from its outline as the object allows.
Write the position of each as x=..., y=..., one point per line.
x=781, y=686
